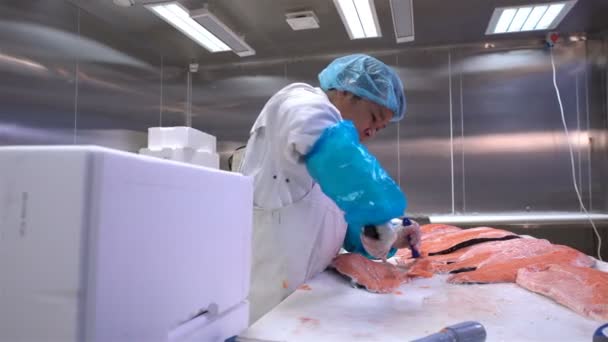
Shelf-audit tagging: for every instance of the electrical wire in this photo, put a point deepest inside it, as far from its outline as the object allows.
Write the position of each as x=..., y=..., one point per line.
x=578, y=194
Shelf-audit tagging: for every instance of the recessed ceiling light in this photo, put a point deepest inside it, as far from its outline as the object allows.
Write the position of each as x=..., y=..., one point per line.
x=519, y=19
x=359, y=17
x=202, y=27
x=529, y=18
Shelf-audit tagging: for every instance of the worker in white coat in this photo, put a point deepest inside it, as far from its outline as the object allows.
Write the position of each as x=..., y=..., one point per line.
x=313, y=178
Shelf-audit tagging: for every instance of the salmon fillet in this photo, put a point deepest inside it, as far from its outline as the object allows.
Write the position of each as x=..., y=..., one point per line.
x=445, y=243
x=441, y=263
x=404, y=257
x=376, y=277
x=437, y=228
x=478, y=255
x=379, y=277
x=583, y=290
x=504, y=270
x=449, y=242
x=426, y=231
x=422, y=268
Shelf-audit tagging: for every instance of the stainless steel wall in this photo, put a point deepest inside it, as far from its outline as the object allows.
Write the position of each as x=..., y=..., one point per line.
x=67, y=77
x=512, y=148
x=598, y=103
x=483, y=130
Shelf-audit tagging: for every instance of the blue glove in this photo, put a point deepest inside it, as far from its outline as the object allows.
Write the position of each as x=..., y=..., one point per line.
x=354, y=180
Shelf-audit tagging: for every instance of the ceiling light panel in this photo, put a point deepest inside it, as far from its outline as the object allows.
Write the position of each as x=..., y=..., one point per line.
x=537, y=17
x=177, y=16
x=520, y=18
x=549, y=17
x=359, y=18
x=202, y=27
x=534, y=17
x=222, y=32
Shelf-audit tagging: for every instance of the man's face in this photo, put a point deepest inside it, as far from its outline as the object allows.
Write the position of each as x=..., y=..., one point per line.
x=369, y=117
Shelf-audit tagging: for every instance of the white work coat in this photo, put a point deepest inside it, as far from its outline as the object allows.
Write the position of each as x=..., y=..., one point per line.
x=297, y=230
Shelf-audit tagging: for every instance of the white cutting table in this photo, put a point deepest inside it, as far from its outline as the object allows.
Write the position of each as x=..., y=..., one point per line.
x=332, y=310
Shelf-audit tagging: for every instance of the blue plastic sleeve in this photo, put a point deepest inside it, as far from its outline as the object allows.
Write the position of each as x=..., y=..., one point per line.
x=354, y=179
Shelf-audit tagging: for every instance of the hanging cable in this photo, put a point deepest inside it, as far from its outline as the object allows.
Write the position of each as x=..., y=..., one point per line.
x=578, y=194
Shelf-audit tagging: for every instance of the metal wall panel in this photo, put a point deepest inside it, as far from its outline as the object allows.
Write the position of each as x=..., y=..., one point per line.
x=424, y=133
x=227, y=102
x=66, y=78
x=36, y=101
x=516, y=156
x=598, y=103
x=119, y=95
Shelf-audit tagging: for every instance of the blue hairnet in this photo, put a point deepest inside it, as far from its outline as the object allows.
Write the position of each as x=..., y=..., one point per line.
x=367, y=78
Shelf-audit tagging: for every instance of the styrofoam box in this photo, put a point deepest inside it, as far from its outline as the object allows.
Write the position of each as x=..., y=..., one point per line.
x=186, y=155
x=179, y=137
x=101, y=245
x=206, y=159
